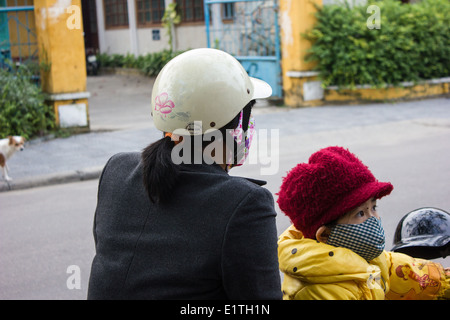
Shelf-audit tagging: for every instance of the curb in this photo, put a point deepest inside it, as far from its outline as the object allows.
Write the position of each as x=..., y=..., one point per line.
x=52, y=179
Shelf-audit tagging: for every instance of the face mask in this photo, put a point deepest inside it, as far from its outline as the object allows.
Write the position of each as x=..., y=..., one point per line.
x=243, y=141
x=365, y=239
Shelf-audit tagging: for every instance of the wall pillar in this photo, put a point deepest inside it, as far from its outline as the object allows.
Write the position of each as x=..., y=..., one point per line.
x=101, y=26
x=300, y=85
x=59, y=29
x=132, y=24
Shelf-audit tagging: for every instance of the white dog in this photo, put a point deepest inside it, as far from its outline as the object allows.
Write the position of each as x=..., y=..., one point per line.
x=8, y=147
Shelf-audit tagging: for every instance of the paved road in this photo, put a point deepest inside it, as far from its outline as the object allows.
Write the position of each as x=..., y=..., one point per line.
x=89, y=152
x=45, y=230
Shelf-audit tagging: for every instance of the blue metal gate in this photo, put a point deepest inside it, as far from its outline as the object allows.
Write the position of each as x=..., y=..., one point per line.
x=18, y=41
x=249, y=30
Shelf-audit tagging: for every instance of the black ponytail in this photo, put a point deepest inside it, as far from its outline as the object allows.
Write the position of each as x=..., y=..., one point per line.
x=160, y=173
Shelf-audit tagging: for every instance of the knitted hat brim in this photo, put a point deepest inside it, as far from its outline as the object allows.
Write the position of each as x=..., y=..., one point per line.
x=354, y=199
x=376, y=190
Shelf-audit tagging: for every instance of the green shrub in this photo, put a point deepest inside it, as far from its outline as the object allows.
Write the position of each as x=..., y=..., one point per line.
x=154, y=62
x=150, y=63
x=22, y=108
x=412, y=44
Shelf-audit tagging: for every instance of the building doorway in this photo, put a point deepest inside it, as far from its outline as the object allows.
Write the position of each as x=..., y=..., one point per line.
x=90, y=26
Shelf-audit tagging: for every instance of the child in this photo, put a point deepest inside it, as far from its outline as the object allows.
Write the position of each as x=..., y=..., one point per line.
x=335, y=247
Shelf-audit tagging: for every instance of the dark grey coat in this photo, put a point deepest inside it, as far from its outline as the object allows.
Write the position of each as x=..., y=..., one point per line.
x=216, y=239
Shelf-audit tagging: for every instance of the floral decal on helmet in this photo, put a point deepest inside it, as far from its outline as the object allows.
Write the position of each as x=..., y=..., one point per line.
x=163, y=104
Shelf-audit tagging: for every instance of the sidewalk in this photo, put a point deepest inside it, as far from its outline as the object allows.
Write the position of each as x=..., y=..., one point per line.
x=120, y=121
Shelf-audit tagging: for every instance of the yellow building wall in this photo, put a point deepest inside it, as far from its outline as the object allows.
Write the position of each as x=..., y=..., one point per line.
x=61, y=50
x=62, y=53
x=296, y=17
x=391, y=93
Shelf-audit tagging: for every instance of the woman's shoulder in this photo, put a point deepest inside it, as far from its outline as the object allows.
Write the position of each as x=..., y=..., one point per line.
x=250, y=193
x=131, y=157
x=249, y=185
x=218, y=180
x=123, y=160
x=121, y=164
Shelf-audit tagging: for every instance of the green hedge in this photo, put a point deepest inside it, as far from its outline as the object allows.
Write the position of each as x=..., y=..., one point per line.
x=22, y=108
x=150, y=63
x=412, y=44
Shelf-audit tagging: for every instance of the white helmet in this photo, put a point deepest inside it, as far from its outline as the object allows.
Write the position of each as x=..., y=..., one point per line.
x=206, y=85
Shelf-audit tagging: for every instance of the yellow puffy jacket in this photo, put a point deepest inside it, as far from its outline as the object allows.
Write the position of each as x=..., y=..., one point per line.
x=317, y=271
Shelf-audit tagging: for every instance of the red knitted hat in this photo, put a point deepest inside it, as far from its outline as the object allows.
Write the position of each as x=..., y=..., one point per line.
x=333, y=182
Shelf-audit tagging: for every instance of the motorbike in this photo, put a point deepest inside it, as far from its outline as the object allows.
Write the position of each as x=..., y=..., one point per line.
x=424, y=233
x=5, y=56
x=92, y=64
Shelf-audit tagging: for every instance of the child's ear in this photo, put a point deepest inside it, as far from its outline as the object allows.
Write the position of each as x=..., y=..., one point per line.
x=323, y=233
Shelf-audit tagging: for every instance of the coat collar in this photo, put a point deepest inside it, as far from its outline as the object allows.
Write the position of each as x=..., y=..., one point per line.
x=215, y=169
x=315, y=262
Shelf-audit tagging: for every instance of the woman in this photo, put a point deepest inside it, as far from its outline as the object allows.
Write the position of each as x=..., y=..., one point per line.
x=171, y=223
